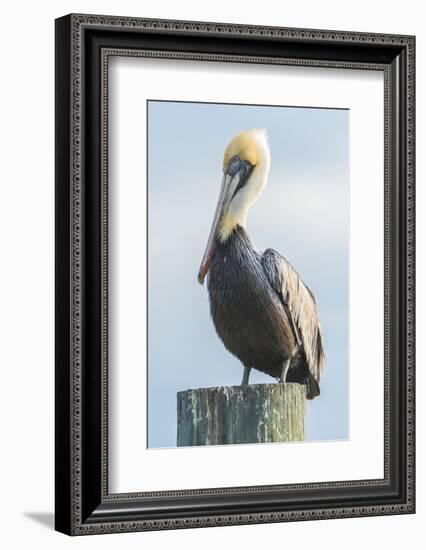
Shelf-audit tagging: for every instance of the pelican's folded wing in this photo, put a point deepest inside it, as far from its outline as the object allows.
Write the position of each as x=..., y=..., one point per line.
x=300, y=306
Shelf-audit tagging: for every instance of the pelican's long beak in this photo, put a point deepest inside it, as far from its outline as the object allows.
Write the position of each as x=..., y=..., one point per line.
x=227, y=190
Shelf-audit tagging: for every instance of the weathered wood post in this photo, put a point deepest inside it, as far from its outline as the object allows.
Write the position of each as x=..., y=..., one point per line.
x=255, y=413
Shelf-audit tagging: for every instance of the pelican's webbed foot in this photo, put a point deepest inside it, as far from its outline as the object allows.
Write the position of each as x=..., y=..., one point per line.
x=286, y=366
x=246, y=376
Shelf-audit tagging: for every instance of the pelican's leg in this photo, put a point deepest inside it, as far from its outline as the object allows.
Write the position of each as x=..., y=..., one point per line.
x=246, y=376
x=286, y=366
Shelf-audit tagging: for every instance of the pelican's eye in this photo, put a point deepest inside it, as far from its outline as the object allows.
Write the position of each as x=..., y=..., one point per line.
x=234, y=166
x=241, y=167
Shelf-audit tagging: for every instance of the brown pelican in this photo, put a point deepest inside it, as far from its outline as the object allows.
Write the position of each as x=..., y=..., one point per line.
x=262, y=310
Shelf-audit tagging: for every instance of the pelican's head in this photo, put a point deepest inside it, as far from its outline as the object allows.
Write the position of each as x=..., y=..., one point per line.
x=245, y=171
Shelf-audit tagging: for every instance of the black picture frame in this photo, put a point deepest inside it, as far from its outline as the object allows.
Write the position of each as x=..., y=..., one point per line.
x=83, y=504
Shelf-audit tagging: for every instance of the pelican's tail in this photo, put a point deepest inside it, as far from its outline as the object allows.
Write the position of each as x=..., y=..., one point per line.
x=312, y=387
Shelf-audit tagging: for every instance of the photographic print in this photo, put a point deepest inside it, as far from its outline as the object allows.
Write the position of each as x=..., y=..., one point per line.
x=234, y=274
x=251, y=201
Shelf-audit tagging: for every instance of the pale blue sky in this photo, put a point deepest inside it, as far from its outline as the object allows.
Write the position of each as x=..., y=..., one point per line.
x=303, y=214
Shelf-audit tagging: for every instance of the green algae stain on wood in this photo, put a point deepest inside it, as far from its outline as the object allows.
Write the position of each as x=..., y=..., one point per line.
x=256, y=413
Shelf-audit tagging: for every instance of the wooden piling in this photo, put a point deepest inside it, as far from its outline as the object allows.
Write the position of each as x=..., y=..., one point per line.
x=255, y=413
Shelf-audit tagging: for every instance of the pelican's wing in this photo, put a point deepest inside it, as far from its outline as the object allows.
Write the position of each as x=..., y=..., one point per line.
x=300, y=306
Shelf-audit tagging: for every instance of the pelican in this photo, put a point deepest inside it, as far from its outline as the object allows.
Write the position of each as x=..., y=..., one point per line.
x=261, y=309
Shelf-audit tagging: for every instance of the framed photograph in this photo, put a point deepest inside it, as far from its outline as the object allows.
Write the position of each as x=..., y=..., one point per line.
x=234, y=274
